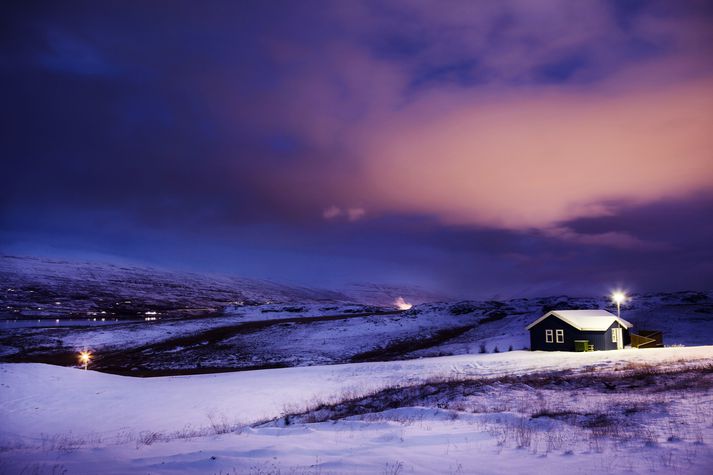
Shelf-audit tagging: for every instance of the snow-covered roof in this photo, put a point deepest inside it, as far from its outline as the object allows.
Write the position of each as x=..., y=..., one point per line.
x=585, y=320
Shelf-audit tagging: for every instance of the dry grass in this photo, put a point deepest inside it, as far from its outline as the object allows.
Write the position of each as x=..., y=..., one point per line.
x=44, y=469
x=459, y=392
x=594, y=411
x=633, y=406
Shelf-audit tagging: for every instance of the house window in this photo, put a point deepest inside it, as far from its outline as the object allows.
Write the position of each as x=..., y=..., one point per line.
x=548, y=336
x=560, y=336
x=613, y=335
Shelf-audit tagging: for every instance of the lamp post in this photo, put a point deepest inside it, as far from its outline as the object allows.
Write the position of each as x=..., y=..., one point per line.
x=618, y=298
x=84, y=358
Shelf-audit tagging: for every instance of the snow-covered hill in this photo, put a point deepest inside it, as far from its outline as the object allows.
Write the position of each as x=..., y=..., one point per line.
x=358, y=388
x=164, y=330
x=47, y=288
x=517, y=412
x=277, y=335
x=685, y=318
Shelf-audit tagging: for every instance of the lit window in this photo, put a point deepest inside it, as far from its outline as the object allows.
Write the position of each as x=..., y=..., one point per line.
x=613, y=335
x=560, y=336
x=548, y=336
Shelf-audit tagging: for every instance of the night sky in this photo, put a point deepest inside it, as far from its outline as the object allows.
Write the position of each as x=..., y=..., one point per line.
x=471, y=148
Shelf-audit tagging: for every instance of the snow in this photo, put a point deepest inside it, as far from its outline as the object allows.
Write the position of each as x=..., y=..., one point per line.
x=304, y=334
x=44, y=287
x=65, y=420
x=86, y=419
x=128, y=334
x=585, y=320
x=31, y=286
x=308, y=327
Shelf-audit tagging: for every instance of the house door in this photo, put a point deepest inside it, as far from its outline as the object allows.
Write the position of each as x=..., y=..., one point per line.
x=619, y=338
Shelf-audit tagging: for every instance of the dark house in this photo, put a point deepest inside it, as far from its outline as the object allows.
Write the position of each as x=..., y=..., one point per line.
x=579, y=330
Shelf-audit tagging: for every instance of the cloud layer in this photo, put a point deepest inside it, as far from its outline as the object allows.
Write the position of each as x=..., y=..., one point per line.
x=540, y=159
x=447, y=143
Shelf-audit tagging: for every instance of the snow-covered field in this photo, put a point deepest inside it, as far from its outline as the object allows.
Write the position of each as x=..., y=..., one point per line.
x=138, y=333
x=441, y=388
x=208, y=323
x=303, y=333
x=64, y=420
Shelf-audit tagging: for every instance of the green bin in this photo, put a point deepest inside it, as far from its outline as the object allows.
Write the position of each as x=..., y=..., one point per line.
x=581, y=345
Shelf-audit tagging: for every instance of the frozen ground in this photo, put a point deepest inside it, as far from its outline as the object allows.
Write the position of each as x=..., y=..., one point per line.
x=303, y=333
x=418, y=395
x=163, y=323
x=123, y=334
x=628, y=411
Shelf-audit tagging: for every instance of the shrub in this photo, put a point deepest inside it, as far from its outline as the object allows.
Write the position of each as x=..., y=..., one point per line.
x=523, y=434
x=394, y=468
x=149, y=437
x=462, y=308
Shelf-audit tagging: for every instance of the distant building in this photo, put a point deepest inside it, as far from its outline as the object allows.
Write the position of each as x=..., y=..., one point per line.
x=579, y=330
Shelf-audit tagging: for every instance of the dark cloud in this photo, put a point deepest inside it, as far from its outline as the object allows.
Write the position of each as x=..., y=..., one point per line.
x=216, y=135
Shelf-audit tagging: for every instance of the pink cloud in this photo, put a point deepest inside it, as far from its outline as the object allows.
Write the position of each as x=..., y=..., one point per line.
x=536, y=159
x=355, y=214
x=508, y=153
x=332, y=212
x=351, y=214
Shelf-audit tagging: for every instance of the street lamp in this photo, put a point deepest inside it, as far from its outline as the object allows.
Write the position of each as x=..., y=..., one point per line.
x=618, y=297
x=84, y=358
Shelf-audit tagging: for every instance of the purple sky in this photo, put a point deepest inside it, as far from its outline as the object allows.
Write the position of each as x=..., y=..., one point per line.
x=473, y=148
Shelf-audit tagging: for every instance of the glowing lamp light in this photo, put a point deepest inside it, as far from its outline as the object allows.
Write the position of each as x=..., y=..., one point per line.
x=618, y=297
x=84, y=358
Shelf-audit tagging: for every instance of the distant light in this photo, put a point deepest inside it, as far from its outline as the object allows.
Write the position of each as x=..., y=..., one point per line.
x=150, y=313
x=85, y=357
x=401, y=304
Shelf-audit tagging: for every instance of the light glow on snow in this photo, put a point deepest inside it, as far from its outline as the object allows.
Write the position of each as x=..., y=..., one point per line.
x=401, y=304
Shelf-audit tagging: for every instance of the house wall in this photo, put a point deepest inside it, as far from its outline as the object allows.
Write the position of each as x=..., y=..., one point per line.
x=601, y=340
x=537, y=335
